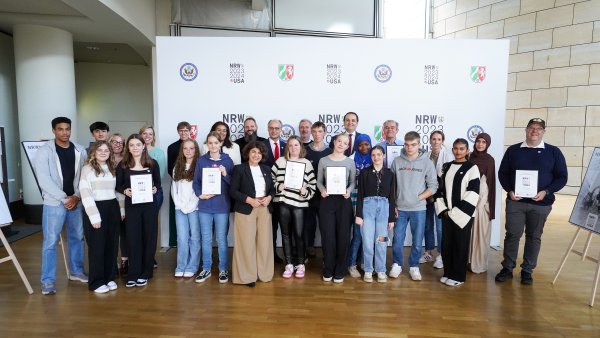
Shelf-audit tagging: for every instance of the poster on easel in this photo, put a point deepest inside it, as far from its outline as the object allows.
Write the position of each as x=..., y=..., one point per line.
x=586, y=211
x=30, y=148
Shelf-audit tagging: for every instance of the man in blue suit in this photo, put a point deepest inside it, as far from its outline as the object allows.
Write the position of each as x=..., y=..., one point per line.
x=350, y=124
x=275, y=148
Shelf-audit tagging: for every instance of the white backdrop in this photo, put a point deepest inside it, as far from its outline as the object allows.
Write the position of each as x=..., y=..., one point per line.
x=423, y=84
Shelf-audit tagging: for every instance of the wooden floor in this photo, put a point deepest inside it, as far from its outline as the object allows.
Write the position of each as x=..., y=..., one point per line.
x=172, y=307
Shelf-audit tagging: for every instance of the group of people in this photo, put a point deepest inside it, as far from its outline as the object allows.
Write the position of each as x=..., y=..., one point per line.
x=353, y=190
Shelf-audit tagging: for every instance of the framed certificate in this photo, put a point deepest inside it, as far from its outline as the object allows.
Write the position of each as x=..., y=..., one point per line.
x=336, y=180
x=141, y=188
x=294, y=175
x=211, y=181
x=391, y=153
x=526, y=183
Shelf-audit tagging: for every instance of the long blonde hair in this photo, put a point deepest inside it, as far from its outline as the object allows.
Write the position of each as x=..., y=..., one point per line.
x=92, y=162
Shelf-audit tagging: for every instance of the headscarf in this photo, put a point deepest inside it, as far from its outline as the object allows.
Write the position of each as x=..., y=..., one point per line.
x=361, y=160
x=485, y=163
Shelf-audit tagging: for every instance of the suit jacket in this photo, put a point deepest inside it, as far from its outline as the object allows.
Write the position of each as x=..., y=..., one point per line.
x=270, y=160
x=354, y=138
x=242, y=186
x=242, y=143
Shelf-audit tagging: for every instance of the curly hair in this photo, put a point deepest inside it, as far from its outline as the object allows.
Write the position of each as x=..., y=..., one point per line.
x=94, y=163
x=128, y=160
x=258, y=145
x=179, y=172
x=227, y=142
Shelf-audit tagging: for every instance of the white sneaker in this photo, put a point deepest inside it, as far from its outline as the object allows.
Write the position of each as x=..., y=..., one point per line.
x=395, y=271
x=452, y=282
x=178, y=274
x=426, y=258
x=338, y=280
x=368, y=277
x=443, y=280
x=112, y=285
x=381, y=277
x=354, y=271
x=438, y=264
x=188, y=274
x=414, y=272
x=102, y=289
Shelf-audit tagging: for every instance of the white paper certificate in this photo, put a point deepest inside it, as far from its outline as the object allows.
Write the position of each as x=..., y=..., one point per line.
x=391, y=153
x=526, y=183
x=336, y=180
x=141, y=188
x=294, y=175
x=211, y=181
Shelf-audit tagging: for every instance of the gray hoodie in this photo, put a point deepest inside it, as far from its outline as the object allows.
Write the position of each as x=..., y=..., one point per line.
x=49, y=175
x=413, y=178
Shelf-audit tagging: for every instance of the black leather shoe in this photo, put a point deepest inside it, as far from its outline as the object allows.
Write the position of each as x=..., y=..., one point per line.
x=526, y=278
x=504, y=275
x=251, y=285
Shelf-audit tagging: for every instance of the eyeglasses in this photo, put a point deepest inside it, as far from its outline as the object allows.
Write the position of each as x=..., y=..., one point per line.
x=183, y=131
x=117, y=143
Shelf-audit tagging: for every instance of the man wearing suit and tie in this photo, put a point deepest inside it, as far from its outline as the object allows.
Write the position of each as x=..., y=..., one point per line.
x=275, y=148
x=350, y=124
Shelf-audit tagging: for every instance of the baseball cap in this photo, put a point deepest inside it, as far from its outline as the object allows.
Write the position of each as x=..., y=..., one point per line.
x=538, y=121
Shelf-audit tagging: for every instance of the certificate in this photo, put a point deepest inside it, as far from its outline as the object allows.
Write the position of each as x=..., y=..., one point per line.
x=211, y=181
x=336, y=180
x=526, y=183
x=141, y=188
x=391, y=153
x=294, y=175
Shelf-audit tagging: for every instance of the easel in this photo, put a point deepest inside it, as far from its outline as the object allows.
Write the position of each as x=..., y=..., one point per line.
x=584, y=256
x=13, y=258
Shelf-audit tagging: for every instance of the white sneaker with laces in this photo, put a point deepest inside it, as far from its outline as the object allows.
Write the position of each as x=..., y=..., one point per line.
x=381, y=277
x=438, y=264
x=426, y=258
x=354, y=271
x=178, y=274
x=112, y=285
x=443, y=280
x=102, y=289
x=452, y=282
x=415, y=273
x=368, y=277
x=395, y=271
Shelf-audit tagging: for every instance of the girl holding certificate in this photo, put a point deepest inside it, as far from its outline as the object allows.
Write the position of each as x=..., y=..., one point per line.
x=455, y=203
x=211, y=185
x=253, y=190
x=186, y=210
x=104, y=213
x=138, y=177
x=336, y=179
x=295, y=185
x=230, y=148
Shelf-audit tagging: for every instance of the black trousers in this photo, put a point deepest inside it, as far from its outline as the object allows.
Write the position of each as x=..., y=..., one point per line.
x=291, y=220
x=103, y=244
x=335, y=222
x=275, y=224
x=455, y=249
x=142, y=232
x=311, y=215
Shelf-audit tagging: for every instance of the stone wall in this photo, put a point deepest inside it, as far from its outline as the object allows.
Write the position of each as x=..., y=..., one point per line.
x=554, y=67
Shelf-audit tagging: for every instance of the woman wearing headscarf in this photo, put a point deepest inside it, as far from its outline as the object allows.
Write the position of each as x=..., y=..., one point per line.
x=485, y=212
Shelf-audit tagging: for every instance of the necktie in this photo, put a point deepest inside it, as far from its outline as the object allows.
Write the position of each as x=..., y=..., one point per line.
x=276, y=155
x=349, y=150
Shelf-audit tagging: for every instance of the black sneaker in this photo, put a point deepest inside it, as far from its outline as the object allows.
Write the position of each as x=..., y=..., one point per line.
x=504, y=275
x=202, y=276
x=223, y=277
x=526, y=278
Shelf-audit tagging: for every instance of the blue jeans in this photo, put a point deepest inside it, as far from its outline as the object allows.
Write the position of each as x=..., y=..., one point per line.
x=53, y=218
x=417, y=227
x=221, y=228
x=374, y=232
x=188, y=241
x=430, y=218
x=355, y=245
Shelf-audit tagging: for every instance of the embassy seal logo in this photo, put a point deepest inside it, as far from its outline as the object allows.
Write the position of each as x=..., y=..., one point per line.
x=334, y=73
x=431, y=74
x=383, y=73
x=378, y=133
x=287, y=131
x=188, y=72
x=285, y=72
x=478, y=73
x=236, y=73
x=473, y=132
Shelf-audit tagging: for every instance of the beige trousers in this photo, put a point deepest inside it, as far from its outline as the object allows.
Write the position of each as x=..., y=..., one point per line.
x=253, y=247
x=482, y=231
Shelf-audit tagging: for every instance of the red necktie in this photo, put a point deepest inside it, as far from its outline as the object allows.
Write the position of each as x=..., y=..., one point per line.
x=349, y=150
x=276, y=150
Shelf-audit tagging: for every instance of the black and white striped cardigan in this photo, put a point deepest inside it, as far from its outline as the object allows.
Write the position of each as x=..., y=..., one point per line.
x=458, y=192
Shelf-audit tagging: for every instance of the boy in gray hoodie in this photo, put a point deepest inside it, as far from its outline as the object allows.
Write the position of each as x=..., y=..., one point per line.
x=416, y=179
